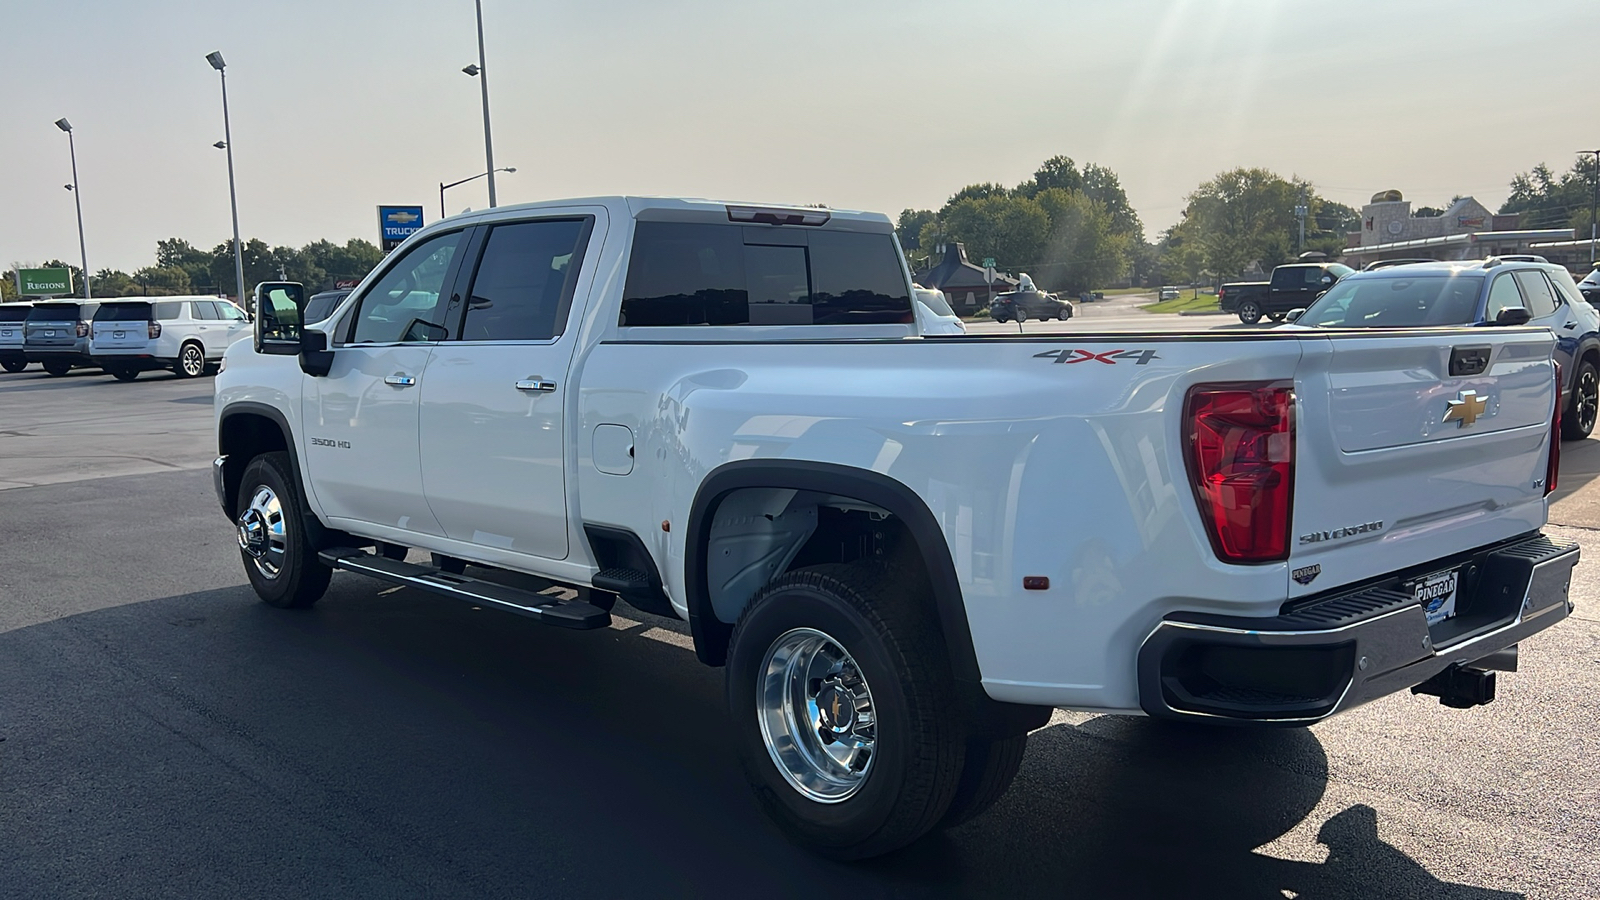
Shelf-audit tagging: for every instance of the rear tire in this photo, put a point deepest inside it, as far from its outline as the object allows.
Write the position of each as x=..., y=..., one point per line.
x=1577, y=420
x=990, y=767
x=13, y=366
x=278, y=556
x=57, y=369
x=124, y=374
x=1249, y=312
x=889, y=688
x=1277, y=317
x=191, y=361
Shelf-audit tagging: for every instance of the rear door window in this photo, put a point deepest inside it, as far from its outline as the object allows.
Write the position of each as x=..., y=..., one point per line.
x=703, y=274
x=168, y=310
x=205, y=310
x=522, y=289
x=1535, y=290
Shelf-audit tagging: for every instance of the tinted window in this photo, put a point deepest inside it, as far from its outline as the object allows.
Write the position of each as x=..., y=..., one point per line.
x=123, y=312
x=935, y=301
x=1397, y=302
x=1503, y=295
x=322, y=306
x=1287, y=279
x=169, y=310
x=523, y=286
x=1535, y=290
x=54, y=313
x=13, y=312
x=205, y=309
x=687, y=274
x=404, y=304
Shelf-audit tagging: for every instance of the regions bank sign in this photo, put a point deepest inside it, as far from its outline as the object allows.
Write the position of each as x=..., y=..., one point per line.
x=396, y=223
x=44, y=282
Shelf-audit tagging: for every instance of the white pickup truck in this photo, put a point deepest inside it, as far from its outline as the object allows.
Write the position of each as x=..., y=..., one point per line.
x=905, y=550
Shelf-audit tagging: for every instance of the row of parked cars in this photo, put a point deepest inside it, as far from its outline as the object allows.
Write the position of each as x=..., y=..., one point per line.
x=126, y=336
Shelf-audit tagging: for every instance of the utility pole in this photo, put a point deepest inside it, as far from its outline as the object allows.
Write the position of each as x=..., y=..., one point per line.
x=481, y=71
x=1594, y=202
x=216, y=61
x=77, y=200
x=1300, y=211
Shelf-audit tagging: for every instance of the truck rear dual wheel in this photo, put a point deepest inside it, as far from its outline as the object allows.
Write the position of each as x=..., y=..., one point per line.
x=845, y=714
x=278, y=556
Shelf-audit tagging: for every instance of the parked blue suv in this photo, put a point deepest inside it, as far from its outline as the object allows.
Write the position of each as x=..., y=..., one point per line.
x=1478, y=292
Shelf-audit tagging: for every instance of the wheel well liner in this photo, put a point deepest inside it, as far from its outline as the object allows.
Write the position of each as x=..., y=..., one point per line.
x=246, y=430
x=711, y=635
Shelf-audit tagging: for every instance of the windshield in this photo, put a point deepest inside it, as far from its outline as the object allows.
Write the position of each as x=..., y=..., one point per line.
x=934, y=300
x=1397, y=302
x=1592, y=278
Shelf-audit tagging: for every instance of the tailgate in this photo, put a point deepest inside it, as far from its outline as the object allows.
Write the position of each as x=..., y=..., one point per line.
x=1414, y=446
x=52, y=333
x=119, y=336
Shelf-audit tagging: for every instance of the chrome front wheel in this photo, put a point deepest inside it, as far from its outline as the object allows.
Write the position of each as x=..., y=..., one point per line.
x=262, y=533
x=817, y=717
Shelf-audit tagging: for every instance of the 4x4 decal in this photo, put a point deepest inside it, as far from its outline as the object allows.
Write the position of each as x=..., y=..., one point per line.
x=1109, y=357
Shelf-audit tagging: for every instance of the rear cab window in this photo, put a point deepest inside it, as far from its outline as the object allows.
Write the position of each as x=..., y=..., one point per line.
x=754, y=273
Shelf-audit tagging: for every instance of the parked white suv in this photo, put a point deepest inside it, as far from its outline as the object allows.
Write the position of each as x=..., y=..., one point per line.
x=184, y=334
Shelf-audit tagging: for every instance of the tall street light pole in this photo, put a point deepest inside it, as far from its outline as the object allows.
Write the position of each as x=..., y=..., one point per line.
x=479, y=70
x=452, y=184
x=1594, y=203
x=215, y=58
x=77, y=200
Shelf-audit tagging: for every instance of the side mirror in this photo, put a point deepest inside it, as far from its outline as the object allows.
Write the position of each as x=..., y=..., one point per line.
x=1513, y=315
x=278, y=317
x=1327, y=279
x=1295, y=314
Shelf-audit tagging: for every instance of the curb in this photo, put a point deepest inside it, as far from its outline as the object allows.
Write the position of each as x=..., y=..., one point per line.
x=1204, y=312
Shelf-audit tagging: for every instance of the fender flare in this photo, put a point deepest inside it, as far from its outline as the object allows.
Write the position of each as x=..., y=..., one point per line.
x=276, y=416
x=711, y=635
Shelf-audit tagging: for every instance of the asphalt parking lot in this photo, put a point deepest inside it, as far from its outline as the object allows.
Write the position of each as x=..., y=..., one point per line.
x=163, y=733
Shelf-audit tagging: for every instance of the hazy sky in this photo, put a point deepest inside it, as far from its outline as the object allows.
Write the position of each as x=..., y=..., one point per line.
x=340, y=105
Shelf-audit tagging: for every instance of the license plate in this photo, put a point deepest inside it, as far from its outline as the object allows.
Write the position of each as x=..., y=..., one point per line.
x=1437, y=595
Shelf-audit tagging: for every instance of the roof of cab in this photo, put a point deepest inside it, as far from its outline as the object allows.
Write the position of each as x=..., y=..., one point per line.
x=634, y=205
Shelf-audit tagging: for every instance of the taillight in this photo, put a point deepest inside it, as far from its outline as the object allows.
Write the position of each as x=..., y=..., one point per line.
x=1240, y=454
x=155, y=330
x=1553, y=467
x=83, y=329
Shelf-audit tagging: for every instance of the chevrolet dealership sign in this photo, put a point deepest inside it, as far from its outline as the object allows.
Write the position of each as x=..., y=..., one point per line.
x=44, y=282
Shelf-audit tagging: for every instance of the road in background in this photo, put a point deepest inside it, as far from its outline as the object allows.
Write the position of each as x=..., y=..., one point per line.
x=1116, y=313
x=165, y=733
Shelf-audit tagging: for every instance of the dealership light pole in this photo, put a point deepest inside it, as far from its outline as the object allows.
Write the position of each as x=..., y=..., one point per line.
x=452, y=184
x=215, y=58
x=1594, y=202
x=479, y=71
x=77, y=200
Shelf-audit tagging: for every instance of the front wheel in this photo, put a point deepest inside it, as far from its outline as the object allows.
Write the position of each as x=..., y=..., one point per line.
x=1064, y=314
x=844, y=709
x=278, y=556
x=191, y=361
x=13, y=365
x=1249, y=312
x=1579, y=419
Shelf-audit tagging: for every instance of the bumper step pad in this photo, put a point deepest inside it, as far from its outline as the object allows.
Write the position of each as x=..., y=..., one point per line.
x=576, y=614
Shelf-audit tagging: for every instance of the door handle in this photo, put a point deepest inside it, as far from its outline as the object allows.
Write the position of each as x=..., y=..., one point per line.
x=399, y=380
x=536, y=385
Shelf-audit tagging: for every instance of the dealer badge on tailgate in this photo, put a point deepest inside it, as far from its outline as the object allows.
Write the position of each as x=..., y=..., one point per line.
x=1437, y=594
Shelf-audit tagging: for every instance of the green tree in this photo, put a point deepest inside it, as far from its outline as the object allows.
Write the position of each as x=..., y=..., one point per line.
x=1546, y=200
x=909, y=227
x=1084, y=249
x=163, y=281
x=111, y=283
x=1101, y=184
x=1056, y=172
x=1243, y=216
x=259, y=266
x=1011, y=229
x=974, y=192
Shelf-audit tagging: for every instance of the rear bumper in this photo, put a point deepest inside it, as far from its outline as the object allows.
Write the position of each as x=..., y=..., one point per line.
x=140, y=360
x=1342, y=649
x=68, y=354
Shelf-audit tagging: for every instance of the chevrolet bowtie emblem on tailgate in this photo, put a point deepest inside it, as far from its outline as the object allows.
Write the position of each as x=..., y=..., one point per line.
x=1467, y=409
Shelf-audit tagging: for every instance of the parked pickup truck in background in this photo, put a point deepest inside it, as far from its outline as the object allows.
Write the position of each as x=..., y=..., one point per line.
x=1291, y=287
x=905, y=550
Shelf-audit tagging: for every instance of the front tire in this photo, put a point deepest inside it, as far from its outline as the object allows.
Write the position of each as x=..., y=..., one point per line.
x=991, y=765
x=1578, y=419
x=278, y=556
x=844, y=709
x=191, y=361
x=1249, y=312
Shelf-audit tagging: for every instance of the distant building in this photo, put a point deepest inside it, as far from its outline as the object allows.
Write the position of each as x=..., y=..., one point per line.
x=1467, y=230
x=962, y=282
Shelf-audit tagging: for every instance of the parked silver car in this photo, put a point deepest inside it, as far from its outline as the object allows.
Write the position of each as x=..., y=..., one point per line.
x=56, y=334
x=13, y=319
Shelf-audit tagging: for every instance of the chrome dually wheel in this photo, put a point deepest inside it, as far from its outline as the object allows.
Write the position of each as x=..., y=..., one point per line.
x=817, y=717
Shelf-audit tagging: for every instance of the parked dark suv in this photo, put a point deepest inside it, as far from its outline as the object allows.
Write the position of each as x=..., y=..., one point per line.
x=1590, y=286
x=1482, y=293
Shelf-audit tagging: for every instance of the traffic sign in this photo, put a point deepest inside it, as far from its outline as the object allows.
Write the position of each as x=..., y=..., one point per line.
x=988, y=272
x=396, y=223
x=44, y=282
x=988, y=262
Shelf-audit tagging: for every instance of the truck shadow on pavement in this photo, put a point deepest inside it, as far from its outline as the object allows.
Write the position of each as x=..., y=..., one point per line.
x=393, y=745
